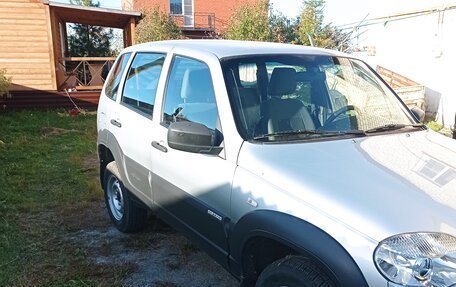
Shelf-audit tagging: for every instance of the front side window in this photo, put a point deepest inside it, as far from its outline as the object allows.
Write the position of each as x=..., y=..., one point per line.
x=302, y=96
x=142, y=81
x=190, y=94
x=112, y=84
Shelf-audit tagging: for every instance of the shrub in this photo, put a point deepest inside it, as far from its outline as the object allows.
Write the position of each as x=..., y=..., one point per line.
x=5, y=82
x=156, y=26
x=249, y=22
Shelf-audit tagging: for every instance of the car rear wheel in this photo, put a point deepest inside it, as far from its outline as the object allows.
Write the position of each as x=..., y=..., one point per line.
x=294, y=271
x=124, y=212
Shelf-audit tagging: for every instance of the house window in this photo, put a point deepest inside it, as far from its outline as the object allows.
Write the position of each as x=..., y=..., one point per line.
x=175, y=7
x=184, y=8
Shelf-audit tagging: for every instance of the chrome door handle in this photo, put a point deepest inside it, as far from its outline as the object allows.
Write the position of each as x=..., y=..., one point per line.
x=116, y=123
x=159, y=146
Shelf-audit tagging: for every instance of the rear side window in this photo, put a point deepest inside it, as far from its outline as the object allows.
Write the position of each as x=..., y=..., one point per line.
x=112, y=84
x=142, y=81
x=190, y=94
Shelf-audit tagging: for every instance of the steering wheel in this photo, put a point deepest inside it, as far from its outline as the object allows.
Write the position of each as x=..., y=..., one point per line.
x=337, y=113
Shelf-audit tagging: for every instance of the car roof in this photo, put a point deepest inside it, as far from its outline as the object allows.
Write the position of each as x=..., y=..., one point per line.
x=231, y=48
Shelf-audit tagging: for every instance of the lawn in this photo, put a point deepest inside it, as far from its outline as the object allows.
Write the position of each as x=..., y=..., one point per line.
x=49, y=187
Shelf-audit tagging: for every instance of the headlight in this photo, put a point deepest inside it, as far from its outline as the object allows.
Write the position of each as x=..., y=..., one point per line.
x=418, y=259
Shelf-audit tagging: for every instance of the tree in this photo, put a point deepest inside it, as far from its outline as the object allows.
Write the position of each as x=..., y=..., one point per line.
x=87, y=40
x=156, y=26
x=311, y=26
x=249, y=22
x=282, y=29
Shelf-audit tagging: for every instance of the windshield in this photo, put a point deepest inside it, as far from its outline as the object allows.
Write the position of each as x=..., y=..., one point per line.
x=295, y=94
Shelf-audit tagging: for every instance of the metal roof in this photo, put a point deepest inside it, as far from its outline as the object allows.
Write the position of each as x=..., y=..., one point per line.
x=93, y=15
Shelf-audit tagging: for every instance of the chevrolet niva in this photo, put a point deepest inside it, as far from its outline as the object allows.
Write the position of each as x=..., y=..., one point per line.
x=289, y=165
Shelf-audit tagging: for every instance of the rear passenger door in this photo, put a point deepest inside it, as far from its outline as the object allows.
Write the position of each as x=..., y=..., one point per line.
x=192, y=190
x=110, y=93
x=134, y=121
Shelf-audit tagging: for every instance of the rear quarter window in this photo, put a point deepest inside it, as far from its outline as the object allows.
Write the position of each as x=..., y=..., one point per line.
x=141, y=83
x=113, y=82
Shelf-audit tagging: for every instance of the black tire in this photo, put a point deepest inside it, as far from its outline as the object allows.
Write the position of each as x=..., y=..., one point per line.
x=126, y=215
x=294, y=271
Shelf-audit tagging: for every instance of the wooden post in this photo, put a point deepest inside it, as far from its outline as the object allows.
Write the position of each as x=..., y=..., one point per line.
x=126, y=36
x=66, y=52
x=50, y=16
x=132, y=31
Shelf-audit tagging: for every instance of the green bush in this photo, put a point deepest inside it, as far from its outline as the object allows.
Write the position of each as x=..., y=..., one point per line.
x=249, y=22
x=156, y=26
x=5, y=82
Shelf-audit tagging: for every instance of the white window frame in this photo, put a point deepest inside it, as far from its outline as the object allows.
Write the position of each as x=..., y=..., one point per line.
x=188, y=18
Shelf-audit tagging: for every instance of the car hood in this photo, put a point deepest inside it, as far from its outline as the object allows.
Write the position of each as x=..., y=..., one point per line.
x=379, y=185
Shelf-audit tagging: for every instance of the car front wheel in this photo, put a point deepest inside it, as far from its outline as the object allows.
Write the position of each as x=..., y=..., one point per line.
x=124, y=212
x=294, y=271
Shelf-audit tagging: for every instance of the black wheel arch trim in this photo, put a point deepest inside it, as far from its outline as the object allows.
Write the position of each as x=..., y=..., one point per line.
x=299, y=235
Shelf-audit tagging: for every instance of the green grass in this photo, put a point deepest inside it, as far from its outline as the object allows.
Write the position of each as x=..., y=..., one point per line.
x=48, y=169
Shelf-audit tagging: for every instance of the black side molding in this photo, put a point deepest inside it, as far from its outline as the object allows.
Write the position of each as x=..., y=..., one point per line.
x=299, y=235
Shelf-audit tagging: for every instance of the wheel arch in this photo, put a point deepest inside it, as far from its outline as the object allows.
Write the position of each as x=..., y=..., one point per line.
x=292, y=234
x=105, y=156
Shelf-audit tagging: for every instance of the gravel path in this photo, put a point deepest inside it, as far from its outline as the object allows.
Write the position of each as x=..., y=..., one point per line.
x=159, y=255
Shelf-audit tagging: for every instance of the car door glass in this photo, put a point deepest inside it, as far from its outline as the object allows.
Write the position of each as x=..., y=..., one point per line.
x=112, y=84
x=142, y=80
x=190, y=94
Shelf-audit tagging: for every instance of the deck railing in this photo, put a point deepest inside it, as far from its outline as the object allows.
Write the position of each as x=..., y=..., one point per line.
x=85, y=73
x=199, y=21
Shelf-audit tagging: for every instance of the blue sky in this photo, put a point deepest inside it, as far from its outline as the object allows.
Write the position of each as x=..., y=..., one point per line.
x=341, y=12
x=338, y=12
x=291, y=8
x=114, y=4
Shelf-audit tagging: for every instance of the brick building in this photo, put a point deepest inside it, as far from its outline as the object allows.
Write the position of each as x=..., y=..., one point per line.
x=197, y=18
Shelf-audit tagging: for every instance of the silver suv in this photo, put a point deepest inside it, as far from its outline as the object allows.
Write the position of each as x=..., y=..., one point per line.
x=290, y=166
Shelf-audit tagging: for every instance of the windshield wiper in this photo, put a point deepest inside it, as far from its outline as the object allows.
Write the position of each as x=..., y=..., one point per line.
x=392, y=127
x=310, y=133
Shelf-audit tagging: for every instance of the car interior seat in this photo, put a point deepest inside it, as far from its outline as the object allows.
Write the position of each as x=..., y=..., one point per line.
x=279, y=114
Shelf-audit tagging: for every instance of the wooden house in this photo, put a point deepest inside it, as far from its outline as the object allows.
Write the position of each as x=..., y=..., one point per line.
x=34, y=50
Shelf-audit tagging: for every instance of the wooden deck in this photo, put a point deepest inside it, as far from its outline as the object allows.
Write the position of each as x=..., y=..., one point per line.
x=34, y=44
x=50, y=100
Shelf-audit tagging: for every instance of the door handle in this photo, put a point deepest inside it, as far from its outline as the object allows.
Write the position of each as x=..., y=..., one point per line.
x=159, y=146
x=116, y=123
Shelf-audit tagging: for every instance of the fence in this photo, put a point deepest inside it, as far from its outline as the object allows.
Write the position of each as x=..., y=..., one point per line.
x=85, y=73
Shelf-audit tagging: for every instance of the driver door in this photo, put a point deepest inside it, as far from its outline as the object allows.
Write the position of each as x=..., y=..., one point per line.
x=192, y=189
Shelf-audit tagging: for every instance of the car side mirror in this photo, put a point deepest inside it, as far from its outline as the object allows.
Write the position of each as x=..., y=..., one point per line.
x=192, y=137
x=418, y=113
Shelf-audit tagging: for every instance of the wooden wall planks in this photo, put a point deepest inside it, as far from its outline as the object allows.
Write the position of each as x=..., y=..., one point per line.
x=24, y=47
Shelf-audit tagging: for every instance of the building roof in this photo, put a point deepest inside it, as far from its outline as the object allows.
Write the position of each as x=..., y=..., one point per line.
x=93, y=15
x=229, y=48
